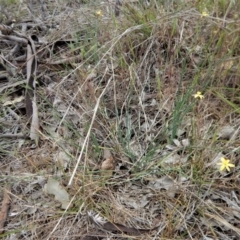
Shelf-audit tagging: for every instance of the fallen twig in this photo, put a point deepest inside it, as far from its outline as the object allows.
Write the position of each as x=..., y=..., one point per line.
x=19, y=135
x=4, y=208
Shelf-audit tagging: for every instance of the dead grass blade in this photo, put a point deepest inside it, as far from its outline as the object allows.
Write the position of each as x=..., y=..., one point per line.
x=223, y=222
x=85, y=143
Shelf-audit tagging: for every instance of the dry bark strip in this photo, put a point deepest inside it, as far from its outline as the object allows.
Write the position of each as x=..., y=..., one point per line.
x=101, y=224
x=4, y=208
x=113, y=227
x=31, y=77
x=30, y=92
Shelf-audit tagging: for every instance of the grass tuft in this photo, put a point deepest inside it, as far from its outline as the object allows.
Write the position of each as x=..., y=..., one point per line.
x=155, y=93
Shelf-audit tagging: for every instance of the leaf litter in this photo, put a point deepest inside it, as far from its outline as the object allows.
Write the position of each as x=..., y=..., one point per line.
x=98, y=102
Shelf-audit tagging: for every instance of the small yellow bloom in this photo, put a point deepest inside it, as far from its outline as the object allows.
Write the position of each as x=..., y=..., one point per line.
x=204, y=14
x=198, y=95
x=99, y=13
x=225, y=163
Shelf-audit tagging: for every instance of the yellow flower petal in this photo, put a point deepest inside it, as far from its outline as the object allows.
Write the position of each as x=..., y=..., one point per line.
x=225, y=163
x=204, y=14
x=222, y=168
x=99, y=13
x=198, y=95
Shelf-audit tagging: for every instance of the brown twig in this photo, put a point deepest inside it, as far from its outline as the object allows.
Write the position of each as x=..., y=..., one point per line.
x=4, y=208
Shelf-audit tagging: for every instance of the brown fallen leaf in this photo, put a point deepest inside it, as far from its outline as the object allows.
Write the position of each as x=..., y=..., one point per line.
x=107, y=164
x=107, y=167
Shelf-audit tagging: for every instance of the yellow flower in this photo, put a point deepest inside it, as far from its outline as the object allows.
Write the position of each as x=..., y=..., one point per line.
x=225, y=163
x=204, y=14
x=99, y=13
x=198, y=95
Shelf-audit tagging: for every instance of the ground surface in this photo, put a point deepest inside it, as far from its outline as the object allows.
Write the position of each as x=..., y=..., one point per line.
x=102, y=133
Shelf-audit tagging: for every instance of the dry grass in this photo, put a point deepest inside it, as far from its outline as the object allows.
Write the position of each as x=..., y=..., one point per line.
x=120, y=129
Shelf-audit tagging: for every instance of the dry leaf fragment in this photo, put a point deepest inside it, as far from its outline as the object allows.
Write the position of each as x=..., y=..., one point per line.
x=227, y=64
x=107, y=167
x=106, y=153
x=174, y=159
x=107, y=164
x=34, y=131
x=61, y=195
x=63, y=159
x=185, y=142
x=14, y=101
x=177, y=143
x=166, y=183
x=226, y=132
